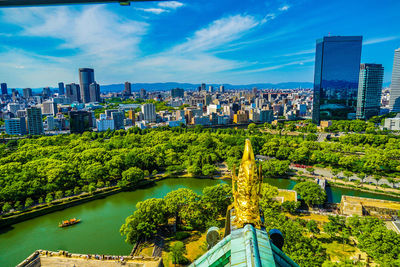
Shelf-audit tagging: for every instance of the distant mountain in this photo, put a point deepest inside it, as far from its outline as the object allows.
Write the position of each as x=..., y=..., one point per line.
x=190, y=86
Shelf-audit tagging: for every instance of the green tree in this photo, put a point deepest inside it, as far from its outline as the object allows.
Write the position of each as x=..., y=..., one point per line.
x=49, y=197
x=178, y=250
x=28, y=202
x=6, y=207
x=132, y=175
x=219, y=196
x=312, y=227
x=291, y=206
x=311, y=193
x=143, y=223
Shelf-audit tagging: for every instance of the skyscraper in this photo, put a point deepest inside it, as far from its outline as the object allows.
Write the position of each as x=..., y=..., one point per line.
x=60, y=88
x=4, y=89
x=394, y=101
x=94, y=92
x=369, y=91
x=35, y=123
x=149, y=112
x=86, y=77
x=79, y=121
x=221, y=89
x=177, y=93
x=73, y=92
x=142, y=93
x=46, y=92
x=27, y=93
x=336, y=73
x=128, y=89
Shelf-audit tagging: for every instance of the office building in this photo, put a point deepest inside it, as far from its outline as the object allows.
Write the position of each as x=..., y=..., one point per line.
x=203, y=87
x=79, y=121
x=128, y=89
x=131, y=115
x=46, y=92
x=50, y=123
x=142, y=94
x=35, y=122
x=86, y=77
x=27, y=93
x=13, y=107
x=207, y=99
x=73, y=92
x=61, y=88
x=336, y=73
x=94, y=92
x=210, y=89
x=149, y=112
x=16, y=126
x=369, y=91
x=118, y=118
x=104, y=123
x=221, y=89
x=4, y=89
x=394, y=101
x=177, y=93
x=49, y=108
x=110, y=111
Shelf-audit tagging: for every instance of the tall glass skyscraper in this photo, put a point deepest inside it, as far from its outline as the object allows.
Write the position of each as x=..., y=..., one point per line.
x=394, y=101
x=369, y=91
x=86, y=77
x=337, y=64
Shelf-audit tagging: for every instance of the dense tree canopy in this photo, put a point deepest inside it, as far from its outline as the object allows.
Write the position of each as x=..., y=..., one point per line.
x=311, y=193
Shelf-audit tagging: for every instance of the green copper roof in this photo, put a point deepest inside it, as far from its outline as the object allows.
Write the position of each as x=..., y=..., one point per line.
x=244, y=247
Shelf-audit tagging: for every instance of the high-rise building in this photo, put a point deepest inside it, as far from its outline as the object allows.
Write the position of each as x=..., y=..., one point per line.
x=131, y=115
x=207, y=99
x=27, y=93
x=86, y=77
x=221, y=89
x=369, y=91
x=73, y=92
x=128, y=89
x=394, y=101
x=49, y=108
x=336, y=73
x=16, y=126
x=4, y=89
x=35, y=122
x=203, y=87
x=79, y=121
x=104, y=123
x=118, y=118
x=149, y=112
x=177, y=93
x=61, y=88
x=94, y=92
x=142, y=94
x=46, y=92
x=210, y=89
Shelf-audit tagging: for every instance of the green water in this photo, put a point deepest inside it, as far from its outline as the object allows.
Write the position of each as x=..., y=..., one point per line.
x=101, y=220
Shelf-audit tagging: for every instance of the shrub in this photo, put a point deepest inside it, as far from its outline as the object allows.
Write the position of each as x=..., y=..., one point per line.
x=181, y=235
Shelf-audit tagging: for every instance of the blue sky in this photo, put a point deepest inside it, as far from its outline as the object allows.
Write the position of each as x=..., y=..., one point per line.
x=223, y=41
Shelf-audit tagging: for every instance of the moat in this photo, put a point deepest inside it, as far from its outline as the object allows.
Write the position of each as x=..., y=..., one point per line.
x=101, y=220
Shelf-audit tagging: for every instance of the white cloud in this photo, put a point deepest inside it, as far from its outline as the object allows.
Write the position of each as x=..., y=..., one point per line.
x=278, y=66
x=221, y=31
x=153, y=10
x=284, y=8
x=299, y=53
x=171, y=4
x=380, y=40
x=93, y=30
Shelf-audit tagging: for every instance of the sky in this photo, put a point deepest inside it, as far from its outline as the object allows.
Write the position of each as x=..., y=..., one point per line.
x=223, y=41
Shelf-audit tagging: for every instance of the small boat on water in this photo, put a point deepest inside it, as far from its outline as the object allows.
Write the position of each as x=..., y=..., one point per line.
x=69, y=222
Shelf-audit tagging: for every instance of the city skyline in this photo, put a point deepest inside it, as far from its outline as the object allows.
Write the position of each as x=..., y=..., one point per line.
x=148, y=41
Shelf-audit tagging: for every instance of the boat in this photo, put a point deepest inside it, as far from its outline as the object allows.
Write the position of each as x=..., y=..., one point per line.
x=69, y=222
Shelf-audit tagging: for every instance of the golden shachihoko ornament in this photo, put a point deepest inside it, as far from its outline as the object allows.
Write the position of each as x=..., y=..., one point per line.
x=246, y=189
